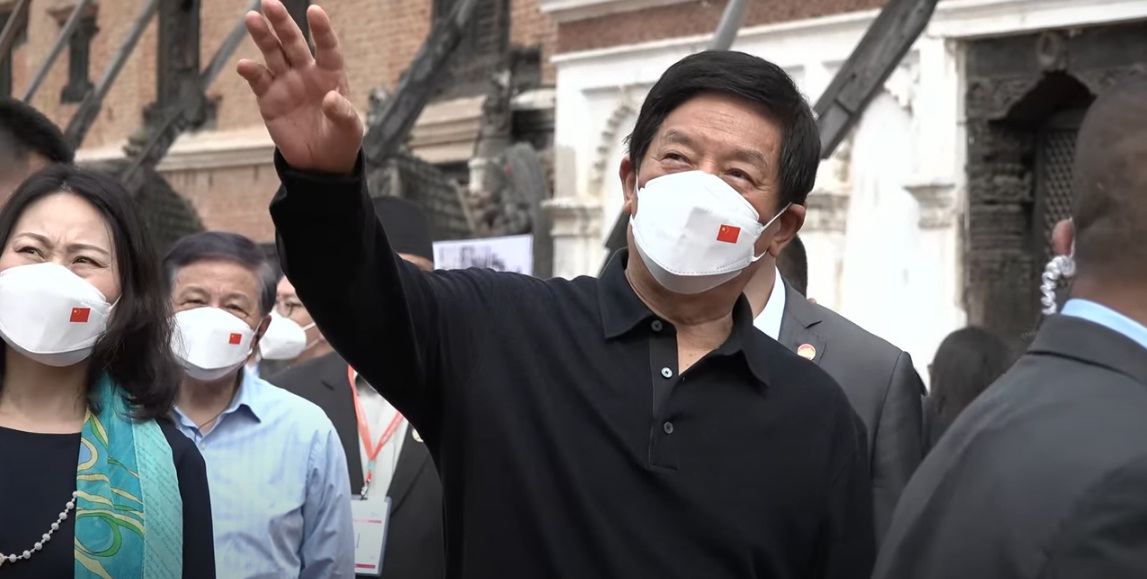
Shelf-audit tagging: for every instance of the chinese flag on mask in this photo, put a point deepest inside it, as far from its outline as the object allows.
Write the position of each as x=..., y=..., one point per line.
x=728, y=234
x=80, y=315
x=235, y=339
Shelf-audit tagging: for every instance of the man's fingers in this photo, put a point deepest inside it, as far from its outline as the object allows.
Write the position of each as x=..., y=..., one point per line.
x=338, y=109
x=290, y=37
x=328, y=55
x=256, y=75
x=268, y=44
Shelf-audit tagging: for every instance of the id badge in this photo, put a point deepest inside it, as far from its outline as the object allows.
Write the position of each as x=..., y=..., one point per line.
x=371, y=519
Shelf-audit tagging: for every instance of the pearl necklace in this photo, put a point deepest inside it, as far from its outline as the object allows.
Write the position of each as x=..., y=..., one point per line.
x=12, y=558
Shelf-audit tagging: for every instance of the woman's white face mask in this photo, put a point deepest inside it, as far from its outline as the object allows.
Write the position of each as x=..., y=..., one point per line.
x=284, y=339
x=210, y=343
x=50, y=314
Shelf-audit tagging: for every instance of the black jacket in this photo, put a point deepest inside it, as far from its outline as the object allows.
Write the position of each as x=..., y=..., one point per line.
x=1042, y=476
x=881, y=384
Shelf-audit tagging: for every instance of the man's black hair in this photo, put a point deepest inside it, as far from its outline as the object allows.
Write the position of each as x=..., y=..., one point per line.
x=793, y=265
x=753, y=79
x=25, y=130
x=226, y=246
x=1110, y=214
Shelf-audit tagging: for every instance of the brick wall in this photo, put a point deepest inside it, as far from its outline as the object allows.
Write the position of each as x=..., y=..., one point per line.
x=690, y=19
x=380, y=37
x=529, y=27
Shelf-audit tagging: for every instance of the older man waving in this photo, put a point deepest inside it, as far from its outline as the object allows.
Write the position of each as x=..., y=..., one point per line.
x=632, y=426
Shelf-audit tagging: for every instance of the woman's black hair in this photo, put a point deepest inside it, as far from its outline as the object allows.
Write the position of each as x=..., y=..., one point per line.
x=967, y=362
x=135, y=351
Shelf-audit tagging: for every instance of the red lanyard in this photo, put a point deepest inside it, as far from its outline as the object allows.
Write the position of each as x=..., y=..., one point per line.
x=364, y=432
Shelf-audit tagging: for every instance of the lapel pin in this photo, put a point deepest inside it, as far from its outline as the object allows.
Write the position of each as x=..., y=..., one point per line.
x=806, y=351
x=417, y=437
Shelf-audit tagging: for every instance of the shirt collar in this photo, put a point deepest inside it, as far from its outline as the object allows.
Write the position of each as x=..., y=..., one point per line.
x=249, y=395
x=769, y=320
x=622, y=311
x=1106, y=317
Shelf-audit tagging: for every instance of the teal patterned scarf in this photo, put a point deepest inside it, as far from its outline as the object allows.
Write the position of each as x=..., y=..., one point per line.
x=129, y=514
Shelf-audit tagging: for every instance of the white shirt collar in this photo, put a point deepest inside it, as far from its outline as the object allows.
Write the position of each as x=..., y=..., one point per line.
x=769, y=320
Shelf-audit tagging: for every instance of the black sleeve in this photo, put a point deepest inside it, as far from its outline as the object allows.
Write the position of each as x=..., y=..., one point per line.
x=1106, y=534
x=406, y=331
x=198, y=536
x=898, y=441
x=848, y=542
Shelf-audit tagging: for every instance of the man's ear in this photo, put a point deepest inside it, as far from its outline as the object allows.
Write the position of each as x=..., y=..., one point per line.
x=628, y=175
x=1063, y=237
x=788, y=224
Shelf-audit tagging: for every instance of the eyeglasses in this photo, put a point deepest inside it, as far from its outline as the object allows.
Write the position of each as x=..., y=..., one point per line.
x=286, y=309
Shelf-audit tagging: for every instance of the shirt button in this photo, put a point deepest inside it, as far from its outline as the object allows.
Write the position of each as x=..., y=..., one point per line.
x=656, y=325
x=667, y=427
x=667, y=372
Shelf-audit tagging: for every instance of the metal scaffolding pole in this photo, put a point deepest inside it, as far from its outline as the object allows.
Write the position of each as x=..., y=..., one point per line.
x=229, y=46
x=730, y=23
x=17, y=19
x=61, y=40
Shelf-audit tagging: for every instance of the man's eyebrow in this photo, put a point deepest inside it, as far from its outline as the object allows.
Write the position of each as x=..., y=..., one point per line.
x=677, y=137
x=751, y=156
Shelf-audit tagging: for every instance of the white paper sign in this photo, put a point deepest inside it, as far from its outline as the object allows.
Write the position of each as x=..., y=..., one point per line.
x=370, y=523
x=510, y=253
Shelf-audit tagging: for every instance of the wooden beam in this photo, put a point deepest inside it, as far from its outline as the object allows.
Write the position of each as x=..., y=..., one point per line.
x=17, y=21
x=403, y=107
x=177, y=62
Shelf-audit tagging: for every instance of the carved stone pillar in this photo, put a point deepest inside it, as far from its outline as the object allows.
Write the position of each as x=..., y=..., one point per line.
x=938, y=264
x=826, y=217
x=577, y=236
x=937, y=199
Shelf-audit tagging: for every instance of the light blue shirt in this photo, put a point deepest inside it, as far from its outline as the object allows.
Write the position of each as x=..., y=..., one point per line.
x=1106, y=317
x=280, y=492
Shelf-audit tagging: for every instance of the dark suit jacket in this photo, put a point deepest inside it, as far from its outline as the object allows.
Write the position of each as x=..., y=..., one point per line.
x=415, y=546
x=881, y=384
x=1043, y=475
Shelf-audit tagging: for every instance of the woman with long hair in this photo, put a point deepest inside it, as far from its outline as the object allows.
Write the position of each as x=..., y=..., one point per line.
x=96, y=481
x=966, y=363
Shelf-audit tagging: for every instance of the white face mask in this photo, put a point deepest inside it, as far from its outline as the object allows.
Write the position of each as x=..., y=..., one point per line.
x=210, y=343
x=694, y=231
x=284, y=339
x=50, y=314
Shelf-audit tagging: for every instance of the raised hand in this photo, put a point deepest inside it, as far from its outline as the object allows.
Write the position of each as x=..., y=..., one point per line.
x=303, y=98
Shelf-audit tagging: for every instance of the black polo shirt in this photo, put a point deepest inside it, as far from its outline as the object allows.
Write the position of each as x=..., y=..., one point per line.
x=568, y=443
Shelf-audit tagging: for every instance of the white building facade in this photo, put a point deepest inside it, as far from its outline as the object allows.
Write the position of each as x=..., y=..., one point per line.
x=887, y=222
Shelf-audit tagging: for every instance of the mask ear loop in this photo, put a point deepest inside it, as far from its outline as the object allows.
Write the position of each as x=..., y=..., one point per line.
x=1060, y=267
x=775, y=217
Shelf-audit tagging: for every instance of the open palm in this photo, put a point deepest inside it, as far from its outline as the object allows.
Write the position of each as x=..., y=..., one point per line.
x=301, y=97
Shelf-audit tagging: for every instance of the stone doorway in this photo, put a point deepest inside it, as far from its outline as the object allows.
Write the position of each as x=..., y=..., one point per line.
x=1026, y=96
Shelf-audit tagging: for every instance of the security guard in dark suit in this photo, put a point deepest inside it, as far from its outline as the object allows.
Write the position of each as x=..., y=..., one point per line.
x=1043, y=475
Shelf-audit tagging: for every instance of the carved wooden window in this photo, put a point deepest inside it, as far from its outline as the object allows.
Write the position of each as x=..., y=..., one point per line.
x=1055, y=152
x=79, y=60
